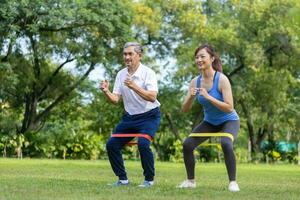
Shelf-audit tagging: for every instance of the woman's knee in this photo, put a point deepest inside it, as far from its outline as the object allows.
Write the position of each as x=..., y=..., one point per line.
x=226, y=144
x=187, y=147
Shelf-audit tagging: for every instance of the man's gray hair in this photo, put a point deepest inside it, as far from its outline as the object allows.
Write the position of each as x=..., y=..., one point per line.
x=137, y=46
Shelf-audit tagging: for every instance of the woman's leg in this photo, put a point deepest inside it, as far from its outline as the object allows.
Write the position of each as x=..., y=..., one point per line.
x=227, y=146
x=191, y=143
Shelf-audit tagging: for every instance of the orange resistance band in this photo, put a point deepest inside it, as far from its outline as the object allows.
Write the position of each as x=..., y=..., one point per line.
x=132, y=135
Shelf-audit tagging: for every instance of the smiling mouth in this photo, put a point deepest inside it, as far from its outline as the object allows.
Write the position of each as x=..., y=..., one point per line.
x=128, y=63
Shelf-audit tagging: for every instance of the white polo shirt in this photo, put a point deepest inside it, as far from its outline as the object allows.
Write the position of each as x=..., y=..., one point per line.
x=145, y=78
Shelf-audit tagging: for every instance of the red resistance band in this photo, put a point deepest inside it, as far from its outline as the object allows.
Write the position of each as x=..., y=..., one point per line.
x=132, y=135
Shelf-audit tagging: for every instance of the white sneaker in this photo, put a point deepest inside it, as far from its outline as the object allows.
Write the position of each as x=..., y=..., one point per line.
x=233, y=186
x=146, y=184
x=187, y=184
x=119, y=183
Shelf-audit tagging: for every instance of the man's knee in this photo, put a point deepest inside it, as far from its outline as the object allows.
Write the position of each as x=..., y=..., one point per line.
x=112, y=144
x=143, y=144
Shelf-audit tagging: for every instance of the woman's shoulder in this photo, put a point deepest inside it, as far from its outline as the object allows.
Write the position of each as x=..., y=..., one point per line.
x=223, y=77
x=223, y=81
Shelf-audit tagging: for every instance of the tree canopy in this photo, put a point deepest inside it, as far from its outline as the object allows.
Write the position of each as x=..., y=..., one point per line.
x=48, y=49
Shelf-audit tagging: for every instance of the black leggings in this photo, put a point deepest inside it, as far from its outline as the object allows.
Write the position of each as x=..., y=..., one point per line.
x=191, y=143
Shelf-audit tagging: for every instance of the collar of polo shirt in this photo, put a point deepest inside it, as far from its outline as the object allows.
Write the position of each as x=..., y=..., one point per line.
x=138, y=71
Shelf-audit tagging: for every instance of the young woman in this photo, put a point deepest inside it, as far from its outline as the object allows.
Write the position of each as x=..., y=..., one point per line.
x=212, y=90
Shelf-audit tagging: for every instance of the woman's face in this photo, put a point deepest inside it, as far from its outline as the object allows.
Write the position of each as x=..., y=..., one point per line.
x=203, y=59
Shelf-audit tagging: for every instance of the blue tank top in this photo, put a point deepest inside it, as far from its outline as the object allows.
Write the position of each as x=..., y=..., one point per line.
x=212, y=114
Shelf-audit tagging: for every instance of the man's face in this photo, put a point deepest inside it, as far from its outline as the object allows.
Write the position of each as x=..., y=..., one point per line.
x=131, y=58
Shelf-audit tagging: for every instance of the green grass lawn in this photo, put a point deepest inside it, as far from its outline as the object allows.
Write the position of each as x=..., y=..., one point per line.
x=58, y=179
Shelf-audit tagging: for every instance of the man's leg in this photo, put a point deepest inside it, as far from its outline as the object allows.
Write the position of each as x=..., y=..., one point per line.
x=147, y=158
x=114, y=147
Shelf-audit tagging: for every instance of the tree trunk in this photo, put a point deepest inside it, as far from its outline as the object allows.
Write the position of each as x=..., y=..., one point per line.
x=4, y=151
x=32, y=120
x=172, y=127
x=261, y=134
x=254, y=148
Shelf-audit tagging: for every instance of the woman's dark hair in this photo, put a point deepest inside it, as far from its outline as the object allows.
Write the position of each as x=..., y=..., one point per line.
x=217, y=63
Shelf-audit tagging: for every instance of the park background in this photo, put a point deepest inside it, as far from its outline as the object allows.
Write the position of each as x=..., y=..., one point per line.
x=53, y=115
x=54, y=53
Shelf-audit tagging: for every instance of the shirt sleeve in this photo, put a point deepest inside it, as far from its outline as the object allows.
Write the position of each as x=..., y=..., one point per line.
x=151, y=81
x=117, y=85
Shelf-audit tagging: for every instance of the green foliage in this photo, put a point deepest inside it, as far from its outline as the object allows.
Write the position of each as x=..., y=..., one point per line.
x=39, y=38
x=177, y=156
x=48, y=48
x=103, y=115
x=65, y=140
